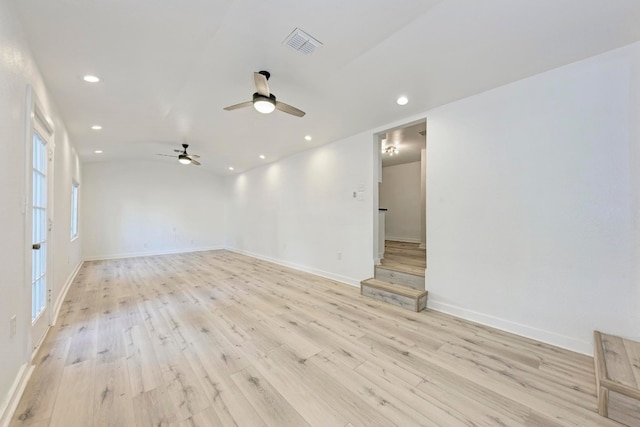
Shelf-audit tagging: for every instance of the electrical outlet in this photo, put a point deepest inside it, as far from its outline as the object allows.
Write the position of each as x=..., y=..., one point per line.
x=339, y=256
x=12, y=325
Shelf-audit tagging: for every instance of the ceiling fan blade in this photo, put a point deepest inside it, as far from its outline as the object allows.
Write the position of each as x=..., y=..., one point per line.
x=262, y=87
x=193, y=156
x=195, y=162
x=166, y=155
x=241, y=105
x=286, y=108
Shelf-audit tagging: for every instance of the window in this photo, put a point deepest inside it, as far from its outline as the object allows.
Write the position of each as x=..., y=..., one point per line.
x=74, y=209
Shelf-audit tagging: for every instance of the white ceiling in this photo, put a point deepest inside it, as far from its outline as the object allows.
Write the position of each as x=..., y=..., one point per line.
x=409, y=142
x=169, y=67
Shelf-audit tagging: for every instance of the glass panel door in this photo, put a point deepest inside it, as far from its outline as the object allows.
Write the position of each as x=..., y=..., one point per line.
x=39, y=318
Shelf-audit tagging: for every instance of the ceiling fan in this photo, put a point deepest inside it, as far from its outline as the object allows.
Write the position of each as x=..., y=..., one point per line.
x=184, y=157
x=263, y=100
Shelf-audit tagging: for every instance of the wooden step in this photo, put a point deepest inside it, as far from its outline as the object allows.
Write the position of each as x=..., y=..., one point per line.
x=402, y=266
x=617, y=365
x=395, y=276
x=402, y=296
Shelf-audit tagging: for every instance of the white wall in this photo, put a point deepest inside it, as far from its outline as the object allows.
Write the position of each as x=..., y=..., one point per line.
x=135, y=208
x=400, y=193
x=67, y=254
x=17, y=70
x=301, y=212
x=532, y=214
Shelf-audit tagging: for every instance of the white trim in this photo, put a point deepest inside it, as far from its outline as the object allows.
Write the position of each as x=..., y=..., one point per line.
x=335, y=277
x=36, y=346
x=10, y=404
x=38, y=121
x=150, y=253
x=75, y=209
x=58, y=305
x=548, y=337
x=402, y=239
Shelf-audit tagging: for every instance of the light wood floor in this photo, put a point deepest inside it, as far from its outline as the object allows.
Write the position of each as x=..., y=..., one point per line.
x=404, y=257
x=220, y=339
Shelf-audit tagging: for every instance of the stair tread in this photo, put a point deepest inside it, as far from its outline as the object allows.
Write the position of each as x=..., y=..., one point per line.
x=620, y=357
x=617, y=369
x=394, y=288
x=407, y=269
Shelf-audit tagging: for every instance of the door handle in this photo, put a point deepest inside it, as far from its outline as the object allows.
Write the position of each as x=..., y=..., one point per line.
x=36, y=246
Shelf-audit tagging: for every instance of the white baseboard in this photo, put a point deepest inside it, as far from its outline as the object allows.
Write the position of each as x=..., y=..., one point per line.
x=10, y=403
x=63, y=293
x=569, y=343
x=150, y=253
x=402, y=239
x=335, y=277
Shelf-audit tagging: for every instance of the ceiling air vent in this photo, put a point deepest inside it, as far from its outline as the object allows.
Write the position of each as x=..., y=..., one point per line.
x=302, y=42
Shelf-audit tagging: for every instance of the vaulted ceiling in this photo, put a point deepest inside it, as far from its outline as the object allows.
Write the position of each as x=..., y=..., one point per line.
x=168, y=67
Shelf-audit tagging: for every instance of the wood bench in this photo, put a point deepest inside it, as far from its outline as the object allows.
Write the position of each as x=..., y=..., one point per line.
x=617, y=365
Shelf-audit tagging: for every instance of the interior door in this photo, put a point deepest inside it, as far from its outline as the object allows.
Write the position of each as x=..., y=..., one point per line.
x=39, y=231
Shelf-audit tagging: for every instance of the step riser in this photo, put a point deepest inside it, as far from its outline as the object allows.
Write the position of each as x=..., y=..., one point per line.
x=617, y=367
x=399, y=278
x=397, y=300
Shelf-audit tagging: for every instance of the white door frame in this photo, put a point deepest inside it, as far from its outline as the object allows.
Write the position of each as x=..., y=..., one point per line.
x=377, y=178
x=36, y=120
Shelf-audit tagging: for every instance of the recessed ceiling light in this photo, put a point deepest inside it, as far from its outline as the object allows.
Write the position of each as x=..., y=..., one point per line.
x=98, y=151
x=308, y=138
x=262, y=156
x=402, y=100
x=96, y=127
x=230, y=168
x=91, y=79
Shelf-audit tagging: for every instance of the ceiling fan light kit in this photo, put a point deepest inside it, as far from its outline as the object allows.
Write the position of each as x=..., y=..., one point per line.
x=184, y=157
x=263, y=100
x=263, y=104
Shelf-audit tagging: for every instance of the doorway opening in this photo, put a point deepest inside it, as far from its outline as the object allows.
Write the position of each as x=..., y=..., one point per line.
x=402, y=238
